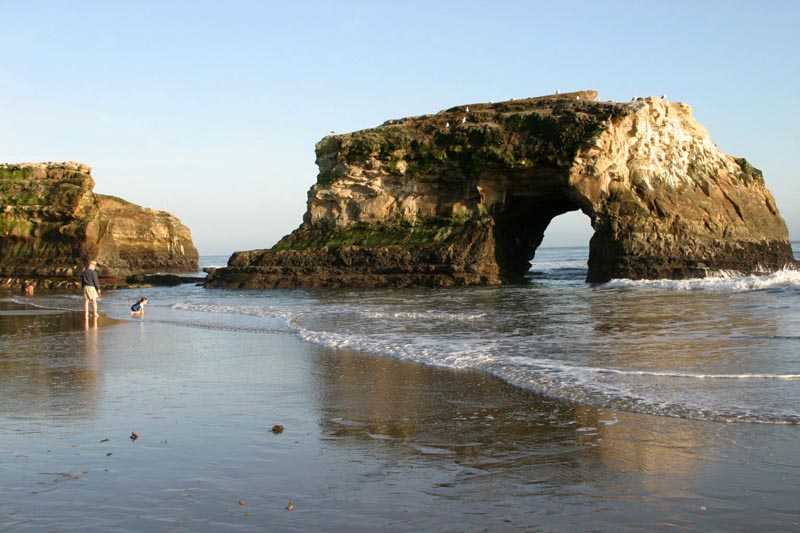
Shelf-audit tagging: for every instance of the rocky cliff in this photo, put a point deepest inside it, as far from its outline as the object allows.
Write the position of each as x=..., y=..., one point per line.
x=52, y=223
x=464, y=197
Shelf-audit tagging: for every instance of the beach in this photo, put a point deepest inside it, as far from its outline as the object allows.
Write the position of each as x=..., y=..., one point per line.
x=409, y=267
x=368, y=442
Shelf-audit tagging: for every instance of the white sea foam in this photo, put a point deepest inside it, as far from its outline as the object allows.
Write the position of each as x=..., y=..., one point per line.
x=617, y=388
x=543, y=266
x=625, y=391
x=558, y=366
x=259, y=311
x=215, y=265
x=785, y=278
x=423, y=315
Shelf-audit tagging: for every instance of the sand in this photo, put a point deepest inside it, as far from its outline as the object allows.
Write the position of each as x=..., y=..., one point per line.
x=369, y=443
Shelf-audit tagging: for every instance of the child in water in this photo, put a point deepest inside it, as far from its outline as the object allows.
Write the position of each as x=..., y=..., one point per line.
x=27, y=288
x=138, y=307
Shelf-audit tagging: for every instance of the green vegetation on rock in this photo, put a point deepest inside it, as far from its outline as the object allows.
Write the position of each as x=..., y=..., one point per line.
x=431, y=232
x=12, y=172
x=464, y=197
x=51, y=221
x=457, y=142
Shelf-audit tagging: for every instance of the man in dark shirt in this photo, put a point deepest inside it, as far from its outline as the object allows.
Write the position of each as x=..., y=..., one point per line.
x=91, y=288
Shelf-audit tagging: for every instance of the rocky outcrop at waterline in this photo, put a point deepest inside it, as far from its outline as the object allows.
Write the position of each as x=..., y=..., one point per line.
x=52, y=223
x=464, y=197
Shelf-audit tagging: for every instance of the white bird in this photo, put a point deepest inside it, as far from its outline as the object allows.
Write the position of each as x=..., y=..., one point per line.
x=467, y=109
x=463, y=120
x=577, y=98
x=447, y=125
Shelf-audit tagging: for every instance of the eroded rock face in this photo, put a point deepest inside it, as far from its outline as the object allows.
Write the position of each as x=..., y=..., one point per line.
x=464, y=197
x=52, y=223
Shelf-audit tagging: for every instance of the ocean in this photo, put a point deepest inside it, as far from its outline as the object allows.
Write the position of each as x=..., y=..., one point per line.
x=724, y=348
x=551, y=405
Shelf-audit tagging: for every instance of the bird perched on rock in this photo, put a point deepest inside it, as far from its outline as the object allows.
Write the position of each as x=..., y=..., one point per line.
x=446, y=124
x=463, y=120
x=467, y=109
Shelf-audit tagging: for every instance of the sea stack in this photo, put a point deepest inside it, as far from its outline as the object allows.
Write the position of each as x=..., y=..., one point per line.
x=436, y=200
x=52, y=223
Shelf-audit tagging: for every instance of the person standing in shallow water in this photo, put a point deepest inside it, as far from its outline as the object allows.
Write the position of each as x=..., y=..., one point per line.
x=27, y=288
x=91, y=288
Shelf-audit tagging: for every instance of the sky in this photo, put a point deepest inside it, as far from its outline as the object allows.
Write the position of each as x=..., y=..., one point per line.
x=211, y=110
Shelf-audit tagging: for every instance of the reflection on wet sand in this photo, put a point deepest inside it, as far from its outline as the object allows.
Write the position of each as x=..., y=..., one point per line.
x=92, y=350
x=402, y=412
x=370, y=443
x=47, y=367
x=665, y=454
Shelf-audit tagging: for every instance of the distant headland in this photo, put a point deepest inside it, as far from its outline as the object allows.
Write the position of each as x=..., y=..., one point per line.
x=52, y=223
x=464, y=196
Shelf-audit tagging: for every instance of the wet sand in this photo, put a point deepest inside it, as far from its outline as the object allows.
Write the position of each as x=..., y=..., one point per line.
x=369, y=443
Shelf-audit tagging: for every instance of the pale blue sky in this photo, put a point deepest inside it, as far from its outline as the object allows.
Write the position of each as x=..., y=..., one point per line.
x=211, y=109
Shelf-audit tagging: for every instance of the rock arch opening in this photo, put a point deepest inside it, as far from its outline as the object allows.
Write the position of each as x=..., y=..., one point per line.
x=520, y=229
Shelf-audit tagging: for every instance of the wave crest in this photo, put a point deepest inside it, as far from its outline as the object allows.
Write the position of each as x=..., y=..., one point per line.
x=722, y=281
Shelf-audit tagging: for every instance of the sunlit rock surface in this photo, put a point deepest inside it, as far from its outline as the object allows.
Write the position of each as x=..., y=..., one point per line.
x=52, y=223
x=463, y=197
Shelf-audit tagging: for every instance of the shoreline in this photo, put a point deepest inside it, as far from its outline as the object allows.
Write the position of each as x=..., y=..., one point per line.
x=369, y=443
x=10, y=306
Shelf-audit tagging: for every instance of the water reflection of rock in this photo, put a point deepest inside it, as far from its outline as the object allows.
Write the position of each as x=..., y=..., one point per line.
x=471, y=423
x=678, y=331
x=459, y=412
x=405, y=412
x=49, y=363
x=662, y=455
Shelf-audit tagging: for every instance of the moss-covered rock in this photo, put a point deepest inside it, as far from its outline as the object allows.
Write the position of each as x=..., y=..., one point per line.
x=52, y=223
x=663, y=200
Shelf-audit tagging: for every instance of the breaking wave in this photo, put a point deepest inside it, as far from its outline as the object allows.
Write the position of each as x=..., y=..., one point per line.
x=786, y=278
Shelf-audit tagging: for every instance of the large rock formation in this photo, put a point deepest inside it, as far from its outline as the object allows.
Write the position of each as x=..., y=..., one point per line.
x=464, y=197
x=52, y=223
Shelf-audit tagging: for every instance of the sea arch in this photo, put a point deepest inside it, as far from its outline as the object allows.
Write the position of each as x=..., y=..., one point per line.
x=521, y=221
x=464, y=196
